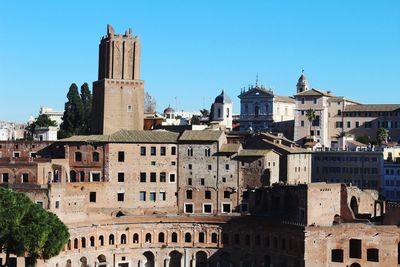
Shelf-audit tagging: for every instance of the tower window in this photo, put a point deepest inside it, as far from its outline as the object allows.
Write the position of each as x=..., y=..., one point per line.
x=129, y=109
x=227, y=112
x=219, y=112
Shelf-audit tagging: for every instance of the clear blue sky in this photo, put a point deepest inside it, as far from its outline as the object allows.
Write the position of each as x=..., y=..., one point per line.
x=193, y=49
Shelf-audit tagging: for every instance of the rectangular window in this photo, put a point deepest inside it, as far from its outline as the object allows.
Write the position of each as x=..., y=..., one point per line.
x=173, y=163
x=302, y=123
x=16, y=154
x=373, y=254
x=209, y=167
x=142, y=195
x=172, y=177
x=189, y=194
x=339, y=124
x=153, y=177
x=40, y=203
x=92, y=197
x=142, y=151
x=202, y=181
x=190, y=166
x=121, y=177
x=142, y=177
x=32, y=154
x=227, y=194
x=5, y=177
x=189, y=181
x=315, y=100
x=226, y=207
x=163, y=177
x=207, y=208
x=348, y=124
x=302, y=100
x=226, y=166
x=153, y=151
x=173, y=150
x=357, y=124
x=162, y=196
x=57, y=205
x=153, y=196
x=337, y=255
x=162, y=151
x=120, y=197
x=121, y=156
x=95, y=176
x=25, y=178
x=207, y=194
x=189, y=208
x=244, y=207
x=355, y=248
x=95, y=157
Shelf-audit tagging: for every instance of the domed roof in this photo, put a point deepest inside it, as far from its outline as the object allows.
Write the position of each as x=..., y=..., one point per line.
x=169, y=110
x=223, y=98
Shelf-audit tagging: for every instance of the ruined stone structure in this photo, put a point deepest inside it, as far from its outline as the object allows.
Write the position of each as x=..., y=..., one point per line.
x=118, y=94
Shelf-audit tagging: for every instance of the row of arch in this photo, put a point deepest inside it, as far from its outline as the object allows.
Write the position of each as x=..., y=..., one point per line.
x=207, y=151
x=123, y=240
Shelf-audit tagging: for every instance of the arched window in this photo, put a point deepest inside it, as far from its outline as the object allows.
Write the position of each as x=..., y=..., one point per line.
x=174, y=238
x=83, y=242
x=111, y=239
x=161, y=238
x=148, y=238
x=219, y=112
x=72, y=176
x=256, y=111
x=201, y=237
x=188, y=237
x=78, y=156
x=92, y=241
x=95, y=157
x=76, y=243
x=207, y=152
x=135, y=238
x=214, y=238
x=227, y=112
x=69, y=246
x=123, y=239
x=190, y=151
x=101, y=240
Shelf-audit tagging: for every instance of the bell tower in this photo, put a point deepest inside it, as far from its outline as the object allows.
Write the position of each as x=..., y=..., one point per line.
x=302, y=83
x=118, y=93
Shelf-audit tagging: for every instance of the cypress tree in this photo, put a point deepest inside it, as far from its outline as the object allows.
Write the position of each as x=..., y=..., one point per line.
x=86, y=97
x=73, y=110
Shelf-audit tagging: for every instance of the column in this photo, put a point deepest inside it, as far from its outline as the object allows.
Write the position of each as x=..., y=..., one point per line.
x=193, y=260
x=166, y=262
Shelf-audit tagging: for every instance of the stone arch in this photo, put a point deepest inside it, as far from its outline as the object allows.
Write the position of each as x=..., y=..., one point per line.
x=68, y=263
x=135, y=238
x=111, y=239
x=175, y=259
x=174, y=237
x=72, y=176
x=201, y=259
x=102, y=260
x=83, y=261
x=92, y=241
x=355, y=265
x=69, y=244
x=354, y=205
x=149, y=259
x=148, y=238
x=188, y=238
x=123, y=239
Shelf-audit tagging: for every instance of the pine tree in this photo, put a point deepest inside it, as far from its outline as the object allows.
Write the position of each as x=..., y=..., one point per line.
x=86, y=97
x=73, y=110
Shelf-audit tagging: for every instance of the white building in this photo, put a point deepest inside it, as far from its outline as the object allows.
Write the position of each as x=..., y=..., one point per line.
x=173, y=118
x=11, y=131
x=45, y=133
x=222, y=111
x=53, y=115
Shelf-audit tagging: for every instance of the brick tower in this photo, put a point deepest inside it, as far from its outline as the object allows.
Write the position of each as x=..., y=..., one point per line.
x=118, y=92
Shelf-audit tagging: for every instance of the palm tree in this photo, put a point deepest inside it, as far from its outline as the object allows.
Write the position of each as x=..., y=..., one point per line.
x=310, y=114
x=382, y=136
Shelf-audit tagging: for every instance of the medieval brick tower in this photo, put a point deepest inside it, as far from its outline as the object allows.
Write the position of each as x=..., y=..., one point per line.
x=118, y=92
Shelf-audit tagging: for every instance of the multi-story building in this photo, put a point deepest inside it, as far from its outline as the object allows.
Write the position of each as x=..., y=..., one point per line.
x=260, y=108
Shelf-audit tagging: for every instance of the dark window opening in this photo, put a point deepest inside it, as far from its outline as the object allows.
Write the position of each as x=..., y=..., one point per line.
x=121, y=156
x=373, y=254
x=355, y=248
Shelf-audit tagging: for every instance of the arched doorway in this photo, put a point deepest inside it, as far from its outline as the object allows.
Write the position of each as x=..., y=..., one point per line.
x=175, y=259
x=355, y=265
x=354, y=205
x=201, y=259
x=149, y=259
x=102, y=261
x=83, y=261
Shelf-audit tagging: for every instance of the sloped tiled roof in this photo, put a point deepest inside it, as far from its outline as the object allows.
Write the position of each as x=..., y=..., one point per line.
x=230, y=148
x=313, y=92
x=125, y=136
x=205, y=135
x=253, y=152
x=372, y=107
x=286, y=99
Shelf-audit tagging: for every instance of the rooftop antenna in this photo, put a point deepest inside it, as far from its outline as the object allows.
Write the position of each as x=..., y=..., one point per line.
x=256, y=79
x=176, y=103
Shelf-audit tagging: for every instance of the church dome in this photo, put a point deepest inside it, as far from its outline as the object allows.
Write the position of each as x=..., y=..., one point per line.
x=169, y=110
x=223, y=98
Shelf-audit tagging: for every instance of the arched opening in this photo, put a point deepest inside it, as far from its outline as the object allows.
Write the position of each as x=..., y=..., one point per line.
x=148, y=238
x=355, y=265
x=69, y=245
x=72, y=176
x=76, y=243
x=201, y=237
x=214, y=238
x=83, y=242
x=119, y=214
x=188, y=238
x=123, y=239
x=83, y=261
x=92, y=241
x=175, y=259
x=111, y=239
x=101, y=240
x=78, y=156
x=102, y=261
x=68, y=264
x=201, y=259
x=174, y=237
x=95, y=156
x=149, y=259
x=161, y=238
x=135, y=238
x=354, y=205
